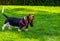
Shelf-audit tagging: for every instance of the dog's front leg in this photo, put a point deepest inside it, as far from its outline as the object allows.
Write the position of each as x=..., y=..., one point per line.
x=26, y=28
x=19, y=29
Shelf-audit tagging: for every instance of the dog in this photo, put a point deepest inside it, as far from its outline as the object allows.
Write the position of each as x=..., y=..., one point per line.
x=18, y=22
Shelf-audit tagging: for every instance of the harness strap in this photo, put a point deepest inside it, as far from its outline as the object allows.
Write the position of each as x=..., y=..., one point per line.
x=21, y=21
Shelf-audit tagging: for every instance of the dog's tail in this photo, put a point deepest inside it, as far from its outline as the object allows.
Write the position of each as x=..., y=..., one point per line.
x=3, y=13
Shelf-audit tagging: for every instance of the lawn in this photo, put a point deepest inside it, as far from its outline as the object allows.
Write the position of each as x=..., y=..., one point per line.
x=46, y=23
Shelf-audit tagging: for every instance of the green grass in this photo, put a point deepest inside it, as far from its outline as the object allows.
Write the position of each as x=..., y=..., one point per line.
x=46, y=23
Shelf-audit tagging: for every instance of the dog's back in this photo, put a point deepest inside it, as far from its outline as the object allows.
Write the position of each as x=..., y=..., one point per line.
x=13, y=21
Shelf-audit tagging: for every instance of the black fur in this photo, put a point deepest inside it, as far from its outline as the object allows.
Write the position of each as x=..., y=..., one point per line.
x=13, y=21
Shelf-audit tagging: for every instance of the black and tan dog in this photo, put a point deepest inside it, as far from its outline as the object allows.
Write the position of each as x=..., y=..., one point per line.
x=18, y=22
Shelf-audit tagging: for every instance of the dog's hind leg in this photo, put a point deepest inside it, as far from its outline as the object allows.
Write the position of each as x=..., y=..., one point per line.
x=4, y=26
x=16, y=27
x=9, y=26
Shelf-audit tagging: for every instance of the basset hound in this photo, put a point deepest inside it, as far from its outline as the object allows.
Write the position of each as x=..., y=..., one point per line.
x=18, y=22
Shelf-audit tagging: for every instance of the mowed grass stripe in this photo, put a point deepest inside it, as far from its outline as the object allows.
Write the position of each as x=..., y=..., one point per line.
x=46, y=24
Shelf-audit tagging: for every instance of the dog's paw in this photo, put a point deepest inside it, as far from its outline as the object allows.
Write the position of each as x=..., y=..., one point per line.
x=19, y=30
x=26, y=30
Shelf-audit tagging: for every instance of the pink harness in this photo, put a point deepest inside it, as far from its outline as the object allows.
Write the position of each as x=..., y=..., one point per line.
x=21, y=21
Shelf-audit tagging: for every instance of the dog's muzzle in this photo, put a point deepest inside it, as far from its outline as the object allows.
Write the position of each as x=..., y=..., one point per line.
x=31, y=24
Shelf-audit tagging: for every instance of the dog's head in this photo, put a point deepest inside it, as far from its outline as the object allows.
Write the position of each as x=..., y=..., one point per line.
x=30, y=18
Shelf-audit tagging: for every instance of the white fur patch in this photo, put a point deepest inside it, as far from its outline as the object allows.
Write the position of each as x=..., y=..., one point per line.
x=3, y=10
x=25, y=18
x=16, y=27
x=4, y=26
x=7, y=24
x=19, y=30
x=26, y=29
